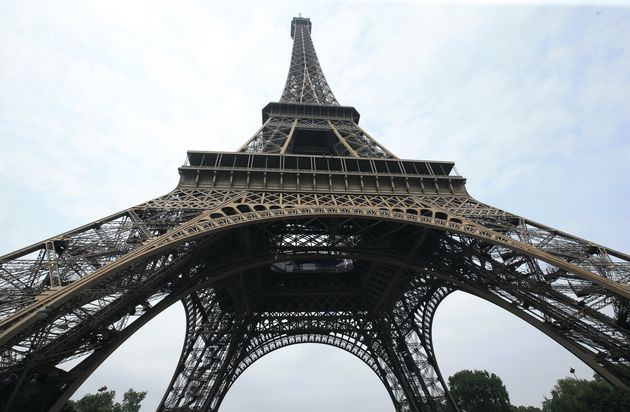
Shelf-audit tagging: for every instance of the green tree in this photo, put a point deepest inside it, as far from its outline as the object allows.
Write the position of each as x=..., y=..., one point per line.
x=103, y=401
x=581, y=395
x=525, y=409
x=131, y=401
x=479, y=391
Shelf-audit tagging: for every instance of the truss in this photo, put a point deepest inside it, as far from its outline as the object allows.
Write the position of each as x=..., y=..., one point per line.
x=305, y=82
x=312, y=232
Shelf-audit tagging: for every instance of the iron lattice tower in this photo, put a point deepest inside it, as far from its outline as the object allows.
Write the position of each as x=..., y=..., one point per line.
x=311, y=232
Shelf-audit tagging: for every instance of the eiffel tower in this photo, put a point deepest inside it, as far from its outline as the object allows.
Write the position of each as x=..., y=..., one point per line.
x=311, y=232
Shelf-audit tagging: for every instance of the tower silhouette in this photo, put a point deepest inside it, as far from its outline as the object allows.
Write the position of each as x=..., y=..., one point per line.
x=311, y=232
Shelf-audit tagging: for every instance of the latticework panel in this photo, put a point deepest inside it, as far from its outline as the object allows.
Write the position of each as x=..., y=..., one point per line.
x=272, y=136
x=594, y=258
x=305, y=82
x=346, y=137
x=412, y=381
x=341, y=236
x=362, y=144
x=37, y=271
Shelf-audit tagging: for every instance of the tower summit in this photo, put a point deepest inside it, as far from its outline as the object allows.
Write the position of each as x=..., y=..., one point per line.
x=310, y=232
x=306, y=82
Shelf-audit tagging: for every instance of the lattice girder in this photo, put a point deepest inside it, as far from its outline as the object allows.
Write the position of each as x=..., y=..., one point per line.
x=307, y=85
x=285, y=196
x=588, y=332
x=39, y=270
x=358, y=333
x=348, y=139
x=305, y=82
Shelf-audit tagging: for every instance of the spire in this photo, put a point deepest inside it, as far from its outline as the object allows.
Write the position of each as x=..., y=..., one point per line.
x=306, y=82
x=308, y=120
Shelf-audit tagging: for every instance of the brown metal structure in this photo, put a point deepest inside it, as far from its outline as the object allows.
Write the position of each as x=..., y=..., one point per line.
x=311, y=232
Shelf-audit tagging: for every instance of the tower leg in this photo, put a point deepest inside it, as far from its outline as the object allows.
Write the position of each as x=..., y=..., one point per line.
x=215, y=337
x=407, y=341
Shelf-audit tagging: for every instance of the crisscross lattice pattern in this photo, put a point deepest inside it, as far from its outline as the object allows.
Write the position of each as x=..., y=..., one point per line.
x=306, y=82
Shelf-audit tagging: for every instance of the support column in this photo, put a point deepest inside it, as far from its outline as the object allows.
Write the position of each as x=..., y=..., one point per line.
x=407, y=340
x=212, y=332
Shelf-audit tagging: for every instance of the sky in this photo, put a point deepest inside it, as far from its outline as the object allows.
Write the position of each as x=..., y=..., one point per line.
x=99, y=102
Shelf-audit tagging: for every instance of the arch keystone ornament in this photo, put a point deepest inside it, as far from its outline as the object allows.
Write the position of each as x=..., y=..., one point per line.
x=311, y=232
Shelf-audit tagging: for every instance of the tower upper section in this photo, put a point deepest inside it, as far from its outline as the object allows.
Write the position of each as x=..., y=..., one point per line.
x=305, y=82
x=308, y=120
x=310, y=143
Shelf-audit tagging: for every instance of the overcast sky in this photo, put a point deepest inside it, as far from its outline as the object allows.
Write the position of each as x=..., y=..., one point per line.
x=100, y=100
